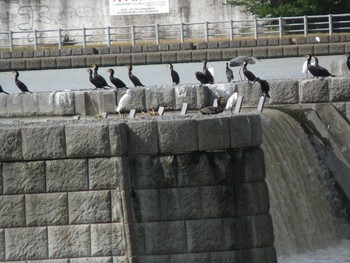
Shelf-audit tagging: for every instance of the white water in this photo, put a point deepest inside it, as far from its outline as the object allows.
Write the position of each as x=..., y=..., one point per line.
x=301, y=203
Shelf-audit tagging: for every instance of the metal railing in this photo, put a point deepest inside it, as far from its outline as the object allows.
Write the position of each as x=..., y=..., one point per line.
x=178, y=33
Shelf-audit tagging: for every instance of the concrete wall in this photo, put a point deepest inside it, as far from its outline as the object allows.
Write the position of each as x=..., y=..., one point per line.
x=125, y=191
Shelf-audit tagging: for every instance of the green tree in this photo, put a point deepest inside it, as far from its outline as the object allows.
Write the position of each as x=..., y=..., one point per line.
x=277, y=8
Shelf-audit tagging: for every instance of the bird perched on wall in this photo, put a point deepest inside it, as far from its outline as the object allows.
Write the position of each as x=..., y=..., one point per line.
x=19, y=83
x=238, y=61
x=99, y=77
x=119, y=84
x=321, y=71
x=201, y=77
x=310, y=66
x=123, y=102
x=213, y=109
x=95, y=82
x=348, y=60
x=208, y=73
x=229, y=73
x=174, y=75
x=305, y=69
x=2, y=91
x=265, y=87
x=231, y=101
x=133, y=78
x=248, y=74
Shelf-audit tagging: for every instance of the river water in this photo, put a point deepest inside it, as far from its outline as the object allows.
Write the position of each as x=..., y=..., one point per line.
x=290, y=247
x=152, y=75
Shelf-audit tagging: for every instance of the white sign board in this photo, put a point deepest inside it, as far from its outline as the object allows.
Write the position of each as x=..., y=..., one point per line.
x=138, y=7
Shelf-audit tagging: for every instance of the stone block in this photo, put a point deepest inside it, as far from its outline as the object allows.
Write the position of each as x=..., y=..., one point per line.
x=6, y=54
x=49, y=261
x=88, y=140
x=187, y=46
x=180, y=203
x=210, y=138
x=19, y=64
x=250, y=43
x=108, y=60
x=224, y=44
x=114, y=50
x=137, y=49
x=80, y=98
x=104, y=50
x=5, y=65
x=69, y=241
x=191, y=257
x=163, y=47
x=23, y=177
x=104, y=173
x=227, y=256
x=169, y=57
x=89, y=207
x=63, y=62
x=138, y=59
x=43, y=142
x=48, y=63
x=47, y=209
x=313, y=90
x=235, y=43
x=26, y=243
x=273, y=42
x=184, y=56
x=244, y=171
x=165, y=237
x=123, y=59
x=28, y=54
x=55, y=53
x=79, y=62
x=117, y=138
x=121, y=259
x=217, y=201
x=11, y=146
x=260, y=52
x=34, y=64
x=305, y=49
x=147, y=207
x=203, y=95
x=125, y=49
x=283, y=92
x=66, y=52
x=94, y=59
x=12, y=211
x=2, y=244
x=286, y=41
x=3, y=105
x=177, y=136
x=238, y=232
x=228, y=54
x=185, y=94
x=205, y=235
x=142, y=137
x=199, y=55
x=202, y=45
x=321, y=49
x=339, y=89
x=245, y=52
x=154, y=58
x=30, y=104
x=251, y=198
x=117, y=207
x=246, y=131
x=39, y=53
x=261, y=42
x=214, y=55
x=77, y=51
x=212, y=45
x=300, y=40
x=63, y=103
x=336, y=49
x=66, y=175
x=275, y=52
x=174, y=47
x=160, y=96
x=290, y=51
x=17, y=54
x=263, y=255
x=107, y=240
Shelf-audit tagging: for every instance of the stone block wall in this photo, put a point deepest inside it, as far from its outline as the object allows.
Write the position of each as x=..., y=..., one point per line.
x=150, y=190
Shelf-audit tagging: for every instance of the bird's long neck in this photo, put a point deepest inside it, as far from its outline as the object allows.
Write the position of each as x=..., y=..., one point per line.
x=16, y=76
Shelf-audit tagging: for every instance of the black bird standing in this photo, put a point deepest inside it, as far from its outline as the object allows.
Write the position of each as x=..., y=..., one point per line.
x=321, y=71
x=214, y=110
x=174, y=75
x=229, y=73
x=311, y=67
x=348, y=60
x=99, y=77
x=119, y=84
x=95, y=82
x=248, y=74
x=265, y=87
x=207, y=73
x=2, y=91
x=201, y=77
x=133, y=78
x=19, y=83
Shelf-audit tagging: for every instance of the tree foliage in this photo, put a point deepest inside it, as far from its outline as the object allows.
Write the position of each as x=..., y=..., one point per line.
x=277, y=8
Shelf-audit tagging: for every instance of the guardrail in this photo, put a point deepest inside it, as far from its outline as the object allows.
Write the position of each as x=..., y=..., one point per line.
x=163, y=33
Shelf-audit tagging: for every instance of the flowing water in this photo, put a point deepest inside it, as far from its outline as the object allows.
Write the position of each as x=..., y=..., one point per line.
x=301, y=197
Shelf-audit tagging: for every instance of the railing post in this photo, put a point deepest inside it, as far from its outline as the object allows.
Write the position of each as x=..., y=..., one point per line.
x=84, y=37
x=280, y=27
x=108, y=36
x=182, y=35
x=157, y=33
x=255, y=28
x=305, y=26
x=231, y=30
x=11, y=40
x=206, y=33
x=132, y=29
x=35, y=40
x=59, y=36
x=330, y=24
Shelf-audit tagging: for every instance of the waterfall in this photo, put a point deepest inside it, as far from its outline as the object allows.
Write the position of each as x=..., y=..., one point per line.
x=301, y=202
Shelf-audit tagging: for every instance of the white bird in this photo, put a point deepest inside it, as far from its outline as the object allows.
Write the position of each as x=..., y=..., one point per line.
x=124, y=100
x=305, y=70
x=231, y=101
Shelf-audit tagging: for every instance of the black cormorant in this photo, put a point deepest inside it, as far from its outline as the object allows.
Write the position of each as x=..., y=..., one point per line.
x=174, y=75
x=321, y=71
x=99, y=77
x=311, y=68
x=19, y=83
x=95, y=82
x=2, y=91
x=348, y=60
x=265, y=87
x=207, y=73
x=133, y=78
x=248, y=74
x=119, y=84
x=214, y=110
x=229, y=73
x=201, y=77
